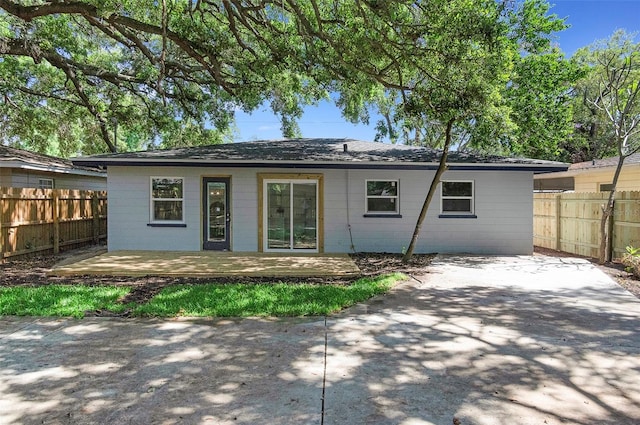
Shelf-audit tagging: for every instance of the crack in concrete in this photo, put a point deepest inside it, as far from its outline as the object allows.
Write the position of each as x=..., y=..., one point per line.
x=324, y=372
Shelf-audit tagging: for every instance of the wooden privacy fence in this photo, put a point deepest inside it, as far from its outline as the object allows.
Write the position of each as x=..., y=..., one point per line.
x=570, y=222
x=35, y=220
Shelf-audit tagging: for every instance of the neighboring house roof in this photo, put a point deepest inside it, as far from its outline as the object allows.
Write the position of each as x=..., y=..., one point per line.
x=595, y=165
x=18, y=158
x=605, y=162
x=316, y=153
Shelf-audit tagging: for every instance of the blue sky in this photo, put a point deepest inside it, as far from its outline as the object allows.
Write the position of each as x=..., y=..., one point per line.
x=589, y=20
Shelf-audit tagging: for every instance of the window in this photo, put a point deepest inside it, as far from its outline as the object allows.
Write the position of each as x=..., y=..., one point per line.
x=382, y=197
x=167, y=199
x=45, y=183
x=457, y=197
x=606, y=187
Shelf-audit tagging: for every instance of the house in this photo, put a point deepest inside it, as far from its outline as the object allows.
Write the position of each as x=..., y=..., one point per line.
x=24, y=169
x=593, y=176
x=317, y=195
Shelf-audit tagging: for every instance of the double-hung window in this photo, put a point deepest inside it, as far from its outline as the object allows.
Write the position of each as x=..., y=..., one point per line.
x=167, y=199
x=382, y=197
x=457, y=198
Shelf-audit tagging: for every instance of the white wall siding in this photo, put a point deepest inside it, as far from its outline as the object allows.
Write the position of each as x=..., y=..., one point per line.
x=244, y=210
x=503, y=206
x=21, y=178
x=129, y=211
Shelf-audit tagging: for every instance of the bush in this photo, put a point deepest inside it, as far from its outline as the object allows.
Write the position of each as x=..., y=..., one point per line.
x=631, y=260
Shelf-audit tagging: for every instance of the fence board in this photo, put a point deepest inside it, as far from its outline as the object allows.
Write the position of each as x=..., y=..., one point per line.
x=37, y=220
x=574, y=224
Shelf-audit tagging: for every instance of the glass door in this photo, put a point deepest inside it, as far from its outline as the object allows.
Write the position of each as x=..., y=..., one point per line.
x=291, y=215
x=216, y=214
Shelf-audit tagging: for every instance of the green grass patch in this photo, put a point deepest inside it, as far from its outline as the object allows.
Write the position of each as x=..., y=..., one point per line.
x=278, y=299
x=60, y=300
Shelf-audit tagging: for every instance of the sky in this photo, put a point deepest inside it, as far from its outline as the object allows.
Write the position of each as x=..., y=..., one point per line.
x=589, y=20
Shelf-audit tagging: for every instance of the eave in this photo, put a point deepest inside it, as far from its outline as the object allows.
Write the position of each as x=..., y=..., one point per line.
x=351, y=165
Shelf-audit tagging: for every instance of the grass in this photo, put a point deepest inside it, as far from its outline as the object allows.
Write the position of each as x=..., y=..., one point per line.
x=60, y=300
x=212, y=300
x=279, y=299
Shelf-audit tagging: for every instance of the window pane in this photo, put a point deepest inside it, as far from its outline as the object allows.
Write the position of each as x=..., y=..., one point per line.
x=217, y=211
x=386, y=188
x=167, y=210
x=279, y=216
x=167, y=188
x=45, y=183
x=457, y=189
x=304, y=216
x=456, y=205
x=381, y=205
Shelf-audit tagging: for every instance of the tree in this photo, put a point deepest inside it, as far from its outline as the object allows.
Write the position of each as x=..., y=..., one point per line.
x=612, y=90
x=431, y=66
x=155, y=69
x=537, y=117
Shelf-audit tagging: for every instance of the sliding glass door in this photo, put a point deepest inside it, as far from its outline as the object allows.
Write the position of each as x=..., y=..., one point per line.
x=291, y=219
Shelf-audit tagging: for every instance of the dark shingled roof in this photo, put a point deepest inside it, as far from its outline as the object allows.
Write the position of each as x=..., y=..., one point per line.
x=40, y=161
x=296, y=151
x=605, y=162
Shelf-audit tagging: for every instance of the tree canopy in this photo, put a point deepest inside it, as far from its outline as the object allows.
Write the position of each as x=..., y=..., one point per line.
x=607, y=105
x=175, y=71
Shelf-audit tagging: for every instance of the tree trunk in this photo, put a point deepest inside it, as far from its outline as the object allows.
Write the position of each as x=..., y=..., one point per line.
x=604, y=253
x=442, y=167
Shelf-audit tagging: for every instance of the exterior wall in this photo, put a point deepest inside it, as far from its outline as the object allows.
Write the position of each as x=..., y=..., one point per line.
x=503, y=206
x=19, y=178
x=591, y=180
x=5, y=177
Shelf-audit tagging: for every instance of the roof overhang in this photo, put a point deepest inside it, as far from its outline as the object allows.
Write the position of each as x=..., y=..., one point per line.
x=351, y=165
x=16, y=163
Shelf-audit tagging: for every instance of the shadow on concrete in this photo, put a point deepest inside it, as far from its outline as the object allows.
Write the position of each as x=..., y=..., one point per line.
x=429, y=353
x=146, y=371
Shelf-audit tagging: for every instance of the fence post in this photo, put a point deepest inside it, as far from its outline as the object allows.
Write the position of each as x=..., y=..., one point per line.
x=609, y=256
x=95, y=215
x=55, y=199
x=1, y=238
x=558, y=226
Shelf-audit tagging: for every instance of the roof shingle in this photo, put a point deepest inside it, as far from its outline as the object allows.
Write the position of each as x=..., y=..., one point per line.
x=307, y=150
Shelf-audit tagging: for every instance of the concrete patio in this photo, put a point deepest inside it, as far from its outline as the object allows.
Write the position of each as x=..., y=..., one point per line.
x=210, y=264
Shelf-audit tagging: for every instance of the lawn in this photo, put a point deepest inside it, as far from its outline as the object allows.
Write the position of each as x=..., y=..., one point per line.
x=60, y=300
x=209, y=300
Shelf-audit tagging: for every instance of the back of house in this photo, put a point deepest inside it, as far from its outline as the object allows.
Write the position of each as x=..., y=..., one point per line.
x=315, y=196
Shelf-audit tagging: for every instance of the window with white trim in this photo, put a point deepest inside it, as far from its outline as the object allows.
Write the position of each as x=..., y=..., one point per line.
x=457, y=197
x=382, y=197
x=45, y=183
x=167, y=199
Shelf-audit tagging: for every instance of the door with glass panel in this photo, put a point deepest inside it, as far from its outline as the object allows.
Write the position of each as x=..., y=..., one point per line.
x=216, y=214
x=291, y=219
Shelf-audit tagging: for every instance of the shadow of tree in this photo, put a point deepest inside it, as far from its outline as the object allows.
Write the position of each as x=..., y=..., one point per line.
x=149, y=371
x=486, y=355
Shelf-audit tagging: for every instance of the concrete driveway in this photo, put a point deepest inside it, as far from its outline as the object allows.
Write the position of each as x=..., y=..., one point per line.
x=476, y=340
